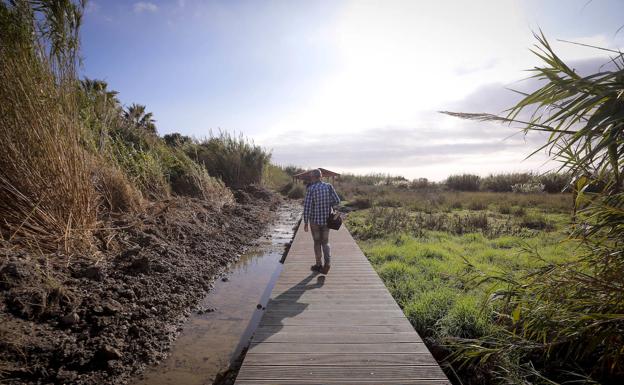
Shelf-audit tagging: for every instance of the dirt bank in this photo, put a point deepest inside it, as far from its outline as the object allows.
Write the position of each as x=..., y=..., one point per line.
x=101, y=319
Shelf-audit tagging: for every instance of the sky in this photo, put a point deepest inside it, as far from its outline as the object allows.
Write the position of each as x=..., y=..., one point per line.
x=352, y=86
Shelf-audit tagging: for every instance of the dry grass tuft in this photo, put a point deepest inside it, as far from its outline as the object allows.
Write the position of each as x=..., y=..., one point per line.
x=115, y=190
x=46, y=193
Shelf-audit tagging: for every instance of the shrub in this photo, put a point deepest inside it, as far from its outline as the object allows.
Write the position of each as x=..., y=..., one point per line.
x=237, y=161
x=388, y=202
x=421, y=184
x=186, y=177
x=528, y=188
x=285, y=189
x=276, y=178
x=430, y=252
x=360, y=203
x=292, y=170
x=470, y=223
x=429, y=307
x=504, y=209
x=464, y=319
x=536, y=222
x=555, y=182
x=142, y=167
x=116, y=191
x=373, y=179
x=464, y=182
x=505, y=182
x=477, y=205
x=393, y=271
x=297, y=191
x=519, y=211
x=177, y=140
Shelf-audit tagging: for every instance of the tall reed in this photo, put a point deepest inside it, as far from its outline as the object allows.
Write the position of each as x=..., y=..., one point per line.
x=47, y=199
x=237, y=161
x=565, y=321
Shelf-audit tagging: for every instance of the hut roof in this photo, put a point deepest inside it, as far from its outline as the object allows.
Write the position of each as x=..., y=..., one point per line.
x=306, y=174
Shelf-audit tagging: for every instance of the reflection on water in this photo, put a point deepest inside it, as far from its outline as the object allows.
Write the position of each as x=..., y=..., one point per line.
x=210, y=340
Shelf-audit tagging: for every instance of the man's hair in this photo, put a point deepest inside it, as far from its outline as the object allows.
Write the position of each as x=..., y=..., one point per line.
x=316, y=173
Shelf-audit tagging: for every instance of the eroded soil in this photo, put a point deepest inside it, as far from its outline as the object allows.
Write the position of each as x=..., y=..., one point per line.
x=102, y=318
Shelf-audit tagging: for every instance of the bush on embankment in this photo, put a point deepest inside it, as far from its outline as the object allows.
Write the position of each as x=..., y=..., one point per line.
x=71, y=153
x=101, y=256
x=235, y=160
x=276, y=178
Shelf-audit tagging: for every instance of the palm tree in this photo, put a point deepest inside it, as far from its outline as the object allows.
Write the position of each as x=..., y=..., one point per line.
x=49, y=28
x=97, y=93
x=136, y=115
x=102, y=104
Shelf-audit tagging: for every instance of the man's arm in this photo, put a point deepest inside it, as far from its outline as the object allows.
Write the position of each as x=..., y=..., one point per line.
x=307, y=208
x=334, y=196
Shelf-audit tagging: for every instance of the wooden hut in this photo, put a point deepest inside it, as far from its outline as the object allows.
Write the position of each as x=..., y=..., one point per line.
x=305, y=176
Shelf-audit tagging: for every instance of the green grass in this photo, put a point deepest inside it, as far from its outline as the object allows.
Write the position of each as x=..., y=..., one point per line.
x=433, y=277
x=435, y=264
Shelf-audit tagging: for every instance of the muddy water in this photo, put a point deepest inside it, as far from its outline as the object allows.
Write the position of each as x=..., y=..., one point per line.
x=209, y=341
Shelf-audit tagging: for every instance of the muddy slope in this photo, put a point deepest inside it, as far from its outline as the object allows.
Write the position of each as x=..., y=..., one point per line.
x=101, y=319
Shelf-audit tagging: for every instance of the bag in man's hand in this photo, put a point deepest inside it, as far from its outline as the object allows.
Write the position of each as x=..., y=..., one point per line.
x=334, y=220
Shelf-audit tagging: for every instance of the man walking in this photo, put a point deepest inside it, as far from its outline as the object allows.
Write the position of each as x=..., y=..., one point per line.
x=317, y=205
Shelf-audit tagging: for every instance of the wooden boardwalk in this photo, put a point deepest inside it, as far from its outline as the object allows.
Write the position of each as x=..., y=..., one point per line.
x=341, y=329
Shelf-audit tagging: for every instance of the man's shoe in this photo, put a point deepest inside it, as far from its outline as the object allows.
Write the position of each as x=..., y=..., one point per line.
x=326, y=268
x=317, y=268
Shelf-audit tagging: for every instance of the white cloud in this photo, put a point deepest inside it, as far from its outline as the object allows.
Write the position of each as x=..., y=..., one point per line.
x=387, y=67
x=400, y=62
x=145, y=6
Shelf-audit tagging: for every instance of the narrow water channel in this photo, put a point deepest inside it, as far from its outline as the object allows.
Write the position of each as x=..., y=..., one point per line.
x=210, y=340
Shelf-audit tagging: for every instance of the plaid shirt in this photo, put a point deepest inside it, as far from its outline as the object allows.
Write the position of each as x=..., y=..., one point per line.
x=318, y=203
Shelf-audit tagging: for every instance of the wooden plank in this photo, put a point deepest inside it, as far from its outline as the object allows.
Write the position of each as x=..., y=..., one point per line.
x=338, y=359
x=320, y=305
x=335, y=313
x=366, y=329
x=331, y=289
x=321, y=373
x=320, y=298
x=367, y=321
x=346, y=284
x=337, y=278
x=336, y=338
x=343, y=295
x=396, y=347
x=342, y=382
